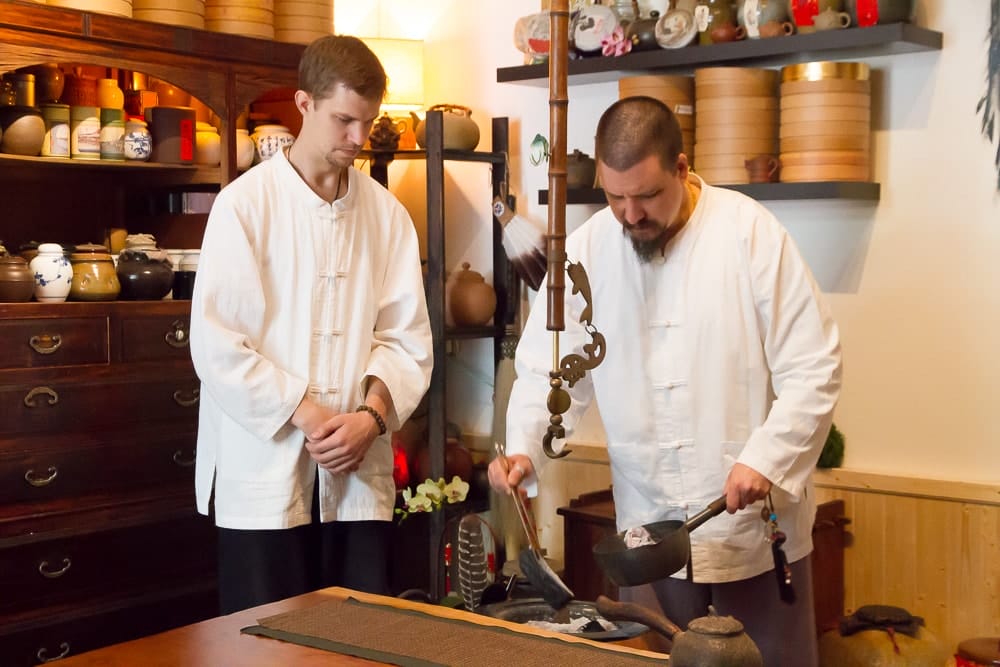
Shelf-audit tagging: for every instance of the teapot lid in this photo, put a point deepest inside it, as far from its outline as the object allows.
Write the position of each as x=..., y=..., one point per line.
x=468, y=274
x=716, y=625
x=12, y=259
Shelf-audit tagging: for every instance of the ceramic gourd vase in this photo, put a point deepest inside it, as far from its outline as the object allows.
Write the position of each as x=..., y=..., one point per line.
x=269, y=139
x=245, y=150
x=53, y=273
x=471, y=300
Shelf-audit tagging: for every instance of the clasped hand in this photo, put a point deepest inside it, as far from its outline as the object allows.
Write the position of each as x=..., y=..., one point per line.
x=337, y=442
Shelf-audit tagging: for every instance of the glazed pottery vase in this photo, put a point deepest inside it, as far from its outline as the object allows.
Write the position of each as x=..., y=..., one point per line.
x=471, y=300
x=94, y=277
x=17, y=283
x=109, y=95
x=269, y=139
x=245, y=150
x=52, y=272
x=144, y=275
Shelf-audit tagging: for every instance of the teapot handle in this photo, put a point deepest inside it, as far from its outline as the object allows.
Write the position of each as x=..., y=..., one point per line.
x=452, y=108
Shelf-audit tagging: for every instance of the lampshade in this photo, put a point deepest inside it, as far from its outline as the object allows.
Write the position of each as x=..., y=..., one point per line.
x=403, y=61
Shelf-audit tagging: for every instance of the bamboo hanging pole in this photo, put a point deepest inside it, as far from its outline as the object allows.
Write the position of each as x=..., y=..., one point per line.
x=555, y=246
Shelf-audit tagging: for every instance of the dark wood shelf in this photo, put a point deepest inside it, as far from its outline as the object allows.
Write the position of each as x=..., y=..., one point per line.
x=855, y=190
x=447, y=154
x=878, y=40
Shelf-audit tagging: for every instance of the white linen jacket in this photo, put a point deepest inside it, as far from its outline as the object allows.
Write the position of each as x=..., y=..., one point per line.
x=295, y=295
x=721, y=352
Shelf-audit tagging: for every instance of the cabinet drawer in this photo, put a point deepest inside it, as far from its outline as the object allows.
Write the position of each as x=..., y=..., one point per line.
x=81, y=568
x=58, y=406
x=45, y=474
x=155, y=337
x=45, y=341
x=89, y=627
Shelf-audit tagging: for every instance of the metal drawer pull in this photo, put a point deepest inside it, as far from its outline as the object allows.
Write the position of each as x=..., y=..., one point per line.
x=43, y=652
x=183, y=462
x=178, y=336
x=186, y=399
x=29, y=398
x=30, y=478
x=45, y=344
x=43, y=569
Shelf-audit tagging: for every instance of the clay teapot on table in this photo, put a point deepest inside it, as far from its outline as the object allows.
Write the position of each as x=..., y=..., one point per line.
x=460, y=131
x=709, y=641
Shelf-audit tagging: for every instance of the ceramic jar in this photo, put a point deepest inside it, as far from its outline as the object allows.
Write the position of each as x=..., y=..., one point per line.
x=581, y=170
x=269, y=139
x=52, y=272
x=94, y=277
x=471, y=300
x=752, y=14
x=144, y=275
x=85, y=133
x=17, y=283
x=109, y=95
x=49, y=82
x=138, y=144
x=460, y=131
x=716, y=22
x=208, y=144
x=22, y=130
x=56, y=140
x=79, y=91
x=112, y=134
x=245, y=150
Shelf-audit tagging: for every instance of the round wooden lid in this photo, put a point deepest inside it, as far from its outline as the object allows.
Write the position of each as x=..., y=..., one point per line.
x=818, y=71
x=981, y=650
x=714, y=75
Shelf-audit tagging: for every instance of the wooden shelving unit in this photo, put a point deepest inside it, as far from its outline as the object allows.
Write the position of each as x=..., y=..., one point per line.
x=861, y=191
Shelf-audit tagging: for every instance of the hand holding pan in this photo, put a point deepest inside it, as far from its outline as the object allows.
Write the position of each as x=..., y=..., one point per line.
x=650, y=562
x=533, y=565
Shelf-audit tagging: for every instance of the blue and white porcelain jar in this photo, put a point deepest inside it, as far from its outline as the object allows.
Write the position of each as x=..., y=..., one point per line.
x=53, y=273
x=269, y=139
x=138, y=140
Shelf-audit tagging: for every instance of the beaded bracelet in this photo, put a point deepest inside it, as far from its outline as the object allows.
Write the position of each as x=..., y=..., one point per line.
x=374, y=413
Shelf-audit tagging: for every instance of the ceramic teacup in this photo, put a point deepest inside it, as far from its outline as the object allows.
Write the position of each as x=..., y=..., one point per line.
x=831, y=20
x=776, y=29
x=762, y=169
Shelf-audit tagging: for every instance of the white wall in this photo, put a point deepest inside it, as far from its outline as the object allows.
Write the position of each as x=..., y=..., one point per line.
x=913, y=280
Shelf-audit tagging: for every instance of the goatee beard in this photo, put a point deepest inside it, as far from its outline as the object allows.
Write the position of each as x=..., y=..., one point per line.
x=647, y=249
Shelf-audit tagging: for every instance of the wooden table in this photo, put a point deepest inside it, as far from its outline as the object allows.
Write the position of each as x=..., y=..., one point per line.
x=218, y=641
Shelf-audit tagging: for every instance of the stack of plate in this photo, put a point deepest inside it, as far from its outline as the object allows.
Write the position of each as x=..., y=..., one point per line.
x=116, y=7
x=188, y=13
x=250, y=18
x=825, y=122
x=736, y=119
x=676, y=91
x=302, y=21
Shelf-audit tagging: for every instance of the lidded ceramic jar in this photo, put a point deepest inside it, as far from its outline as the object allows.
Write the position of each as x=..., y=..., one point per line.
x=94, y=277
x=245, y=150
x=56, y=140
x=471, y=300
x=144, y=270
x=269, y=139
x=85, y=133
x=138, y=142
x=112, y=134
x=208, y=144
x=17, y=283
x=52, y=272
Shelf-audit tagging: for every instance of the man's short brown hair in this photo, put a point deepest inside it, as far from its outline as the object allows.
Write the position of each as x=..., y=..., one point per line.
x=341, y=59
x=634, y=128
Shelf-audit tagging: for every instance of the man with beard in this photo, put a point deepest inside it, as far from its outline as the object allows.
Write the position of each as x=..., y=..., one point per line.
x=310, y=335
x=721, y=373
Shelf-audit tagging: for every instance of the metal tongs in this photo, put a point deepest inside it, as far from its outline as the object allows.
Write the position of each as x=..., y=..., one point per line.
x=533, y=565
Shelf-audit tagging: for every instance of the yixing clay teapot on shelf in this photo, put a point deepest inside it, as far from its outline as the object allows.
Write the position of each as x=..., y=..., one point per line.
x=460, y=131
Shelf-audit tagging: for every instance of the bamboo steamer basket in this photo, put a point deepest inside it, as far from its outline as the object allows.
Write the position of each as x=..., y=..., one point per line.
x=826, y=115
x=231, y=13
x=192, y=6
x=316, y=9
x=748, y=147
x=826, y=86
x=825, y=70
x=675, y=91
x=826, y=142
x=811, y=129
x=170, y=16
x=727, y=75
x=237, y=27
x=299, y=36
x=253, y=4
x=752, y=117
x=311, y=23
x=115, y=7
x=858, y=158
x=757, y=103
x=734, y=89
x=724, y=176
x=726, y=161
x=828, y=172
x=823, y=99
x=736, y=131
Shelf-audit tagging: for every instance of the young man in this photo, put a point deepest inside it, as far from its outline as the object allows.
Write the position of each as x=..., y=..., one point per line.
x=721, y=373
x=310, y=335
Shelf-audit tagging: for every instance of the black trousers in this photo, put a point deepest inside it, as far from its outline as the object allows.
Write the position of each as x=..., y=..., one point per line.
x=261, y=566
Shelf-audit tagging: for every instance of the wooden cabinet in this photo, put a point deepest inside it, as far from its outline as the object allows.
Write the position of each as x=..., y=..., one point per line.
x=100, y=540
x=853, y=43
x=591, y=517
x=435, y=158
